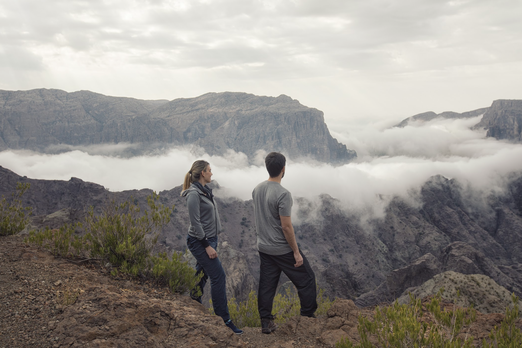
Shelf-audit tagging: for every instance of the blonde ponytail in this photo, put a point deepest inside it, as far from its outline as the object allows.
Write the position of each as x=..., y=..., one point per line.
x=186, y=182
x=194, y=173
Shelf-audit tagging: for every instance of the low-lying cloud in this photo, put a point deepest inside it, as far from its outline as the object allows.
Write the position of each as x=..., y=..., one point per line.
x=392, y=162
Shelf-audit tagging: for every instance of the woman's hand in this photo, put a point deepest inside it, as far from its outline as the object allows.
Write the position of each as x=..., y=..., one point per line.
x=211, y=252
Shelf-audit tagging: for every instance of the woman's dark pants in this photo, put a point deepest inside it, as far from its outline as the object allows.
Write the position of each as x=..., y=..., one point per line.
x=212, y=269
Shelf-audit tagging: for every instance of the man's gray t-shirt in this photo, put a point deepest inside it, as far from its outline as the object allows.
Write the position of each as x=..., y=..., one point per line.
x=271, y=200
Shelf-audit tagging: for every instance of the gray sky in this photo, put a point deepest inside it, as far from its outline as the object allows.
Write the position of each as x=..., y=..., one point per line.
x=355, y=60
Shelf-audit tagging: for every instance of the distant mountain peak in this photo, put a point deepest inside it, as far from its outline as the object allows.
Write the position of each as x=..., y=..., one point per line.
x=430, y=115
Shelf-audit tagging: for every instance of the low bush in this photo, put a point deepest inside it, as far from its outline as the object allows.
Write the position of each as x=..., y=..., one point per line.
x=14, y=217
x=122, y=237
x=405, y=326
x=173, y=272
x=507, y=335
x=400, y=326
x=62, y=242
x=245, y=313
x=285, y=306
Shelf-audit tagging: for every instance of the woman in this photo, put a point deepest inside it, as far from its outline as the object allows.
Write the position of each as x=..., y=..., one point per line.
x=202, y=238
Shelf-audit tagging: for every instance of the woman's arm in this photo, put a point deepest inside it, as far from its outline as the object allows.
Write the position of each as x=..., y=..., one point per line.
x=193, y=206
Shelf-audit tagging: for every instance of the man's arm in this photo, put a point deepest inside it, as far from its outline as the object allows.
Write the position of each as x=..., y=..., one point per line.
x=288, y=230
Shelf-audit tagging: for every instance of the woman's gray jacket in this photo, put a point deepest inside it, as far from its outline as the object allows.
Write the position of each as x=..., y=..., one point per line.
x=203, y=214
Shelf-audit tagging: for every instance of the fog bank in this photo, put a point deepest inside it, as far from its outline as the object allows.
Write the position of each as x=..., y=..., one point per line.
x=392, y=162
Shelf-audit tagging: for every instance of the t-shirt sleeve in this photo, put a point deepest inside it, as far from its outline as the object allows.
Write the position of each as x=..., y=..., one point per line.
x=285, y=204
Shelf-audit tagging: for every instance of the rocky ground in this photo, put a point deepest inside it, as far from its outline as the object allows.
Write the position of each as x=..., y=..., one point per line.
x=51, y=302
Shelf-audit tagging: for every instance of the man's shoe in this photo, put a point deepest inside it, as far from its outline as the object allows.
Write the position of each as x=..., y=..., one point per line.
x=309, y=316
x=233, y=327
x=268, y=326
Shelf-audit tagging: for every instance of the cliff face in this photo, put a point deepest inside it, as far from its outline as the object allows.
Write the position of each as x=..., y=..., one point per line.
x=503, y=120
x=248, y=123
x=215, y=121
x=451, y=232
x=374, y=262
x=38, y=118
x=430, y=115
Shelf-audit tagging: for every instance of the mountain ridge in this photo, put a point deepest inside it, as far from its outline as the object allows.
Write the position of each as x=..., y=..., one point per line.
x=502, y=120
x=41, y=118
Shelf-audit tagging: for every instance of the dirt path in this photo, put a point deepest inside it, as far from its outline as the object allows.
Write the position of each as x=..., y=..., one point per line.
x=50, y=302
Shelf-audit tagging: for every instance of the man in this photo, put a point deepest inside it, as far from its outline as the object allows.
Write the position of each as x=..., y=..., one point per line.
x=278, y=250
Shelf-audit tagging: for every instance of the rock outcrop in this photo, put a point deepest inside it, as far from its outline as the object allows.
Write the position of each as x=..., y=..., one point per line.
x=53, y=120
x=503, y=120
x=464, y=290
x=415, y=274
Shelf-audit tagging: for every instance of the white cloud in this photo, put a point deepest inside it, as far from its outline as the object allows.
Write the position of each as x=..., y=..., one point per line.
x=437, y=138
x=394, y=162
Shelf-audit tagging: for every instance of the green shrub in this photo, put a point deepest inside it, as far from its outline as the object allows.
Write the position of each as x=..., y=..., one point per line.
x=402, y=326
x=449, y=323
x=285, y=306
x=507, y=335
x=13, y=216
x=288, y=305
x=59, y=242
x=124, y=236
x=244, y=314
x=174, y=272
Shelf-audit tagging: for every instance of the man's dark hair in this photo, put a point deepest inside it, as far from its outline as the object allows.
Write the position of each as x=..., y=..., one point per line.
x=275, y=162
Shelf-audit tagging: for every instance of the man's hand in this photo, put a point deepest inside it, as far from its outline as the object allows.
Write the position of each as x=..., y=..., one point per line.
x=212, y=253
x=298, y=259
x=288, y=231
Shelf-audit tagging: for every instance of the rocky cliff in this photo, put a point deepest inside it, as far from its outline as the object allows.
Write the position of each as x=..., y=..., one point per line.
x=39, y=118
x=503, y=120
x=476, y=290
x=430, y=115
x=247, y=123
x=45, y=120
x=450, y=230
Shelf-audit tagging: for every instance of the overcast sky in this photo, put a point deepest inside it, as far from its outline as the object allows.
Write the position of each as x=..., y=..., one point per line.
x=354, y=60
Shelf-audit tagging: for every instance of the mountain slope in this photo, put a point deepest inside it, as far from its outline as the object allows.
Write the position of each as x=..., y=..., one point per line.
x=503, y=120
x=47, y=120
x=430, y=115
x=448, y=231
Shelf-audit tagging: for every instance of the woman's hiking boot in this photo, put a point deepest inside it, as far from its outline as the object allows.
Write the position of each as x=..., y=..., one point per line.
x=233, y=327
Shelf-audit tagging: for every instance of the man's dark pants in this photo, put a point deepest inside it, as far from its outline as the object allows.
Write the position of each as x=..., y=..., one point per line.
x=302, y=277
x=212, y=269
